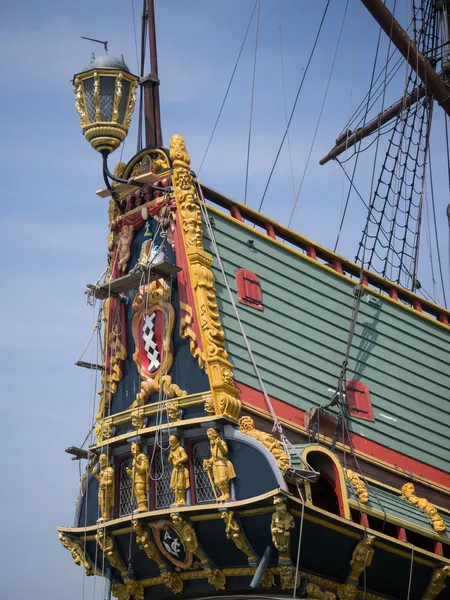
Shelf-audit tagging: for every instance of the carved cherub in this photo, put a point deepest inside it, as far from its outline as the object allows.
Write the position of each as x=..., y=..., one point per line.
x=123, y=247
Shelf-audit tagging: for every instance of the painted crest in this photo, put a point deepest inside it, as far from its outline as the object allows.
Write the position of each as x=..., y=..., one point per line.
x=152, y=328
x=170, y=542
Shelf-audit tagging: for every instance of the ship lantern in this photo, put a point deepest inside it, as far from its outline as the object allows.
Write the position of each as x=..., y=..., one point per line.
x=105, y=97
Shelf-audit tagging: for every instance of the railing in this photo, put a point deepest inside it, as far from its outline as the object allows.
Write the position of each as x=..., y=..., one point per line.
x=341, y=265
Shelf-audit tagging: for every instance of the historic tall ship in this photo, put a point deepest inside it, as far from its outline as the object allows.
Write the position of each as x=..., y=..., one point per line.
x=273, y=419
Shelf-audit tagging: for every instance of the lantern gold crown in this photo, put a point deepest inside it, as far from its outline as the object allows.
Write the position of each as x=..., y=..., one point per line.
x=105, y=98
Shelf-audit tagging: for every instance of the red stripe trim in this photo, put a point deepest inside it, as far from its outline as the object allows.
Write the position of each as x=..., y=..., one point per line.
x=373, y=449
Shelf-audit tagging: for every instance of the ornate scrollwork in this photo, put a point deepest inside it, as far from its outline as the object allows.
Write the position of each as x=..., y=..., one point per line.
x=216, y=578
x=131, y=103
x=189, y=538
x=437, y=582
x=105, y=542
x=358, y=484
x=281, y=526
x=234, y=533
x=409, y=494
x=187, y=333
x=135, y=588
x=268, y=579
x=76, y=550
x=347, y=591
x=146, y=544
x=174, y=411
x=80, y=105
x=199, y=262
x=287, y=577
x=316, y=593
x=173, y=581
x=361, y=558
x=152, y=302
x=247, y=426
x=120, y=591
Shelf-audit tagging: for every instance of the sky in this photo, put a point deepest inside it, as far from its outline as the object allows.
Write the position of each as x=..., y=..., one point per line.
x=54, y=226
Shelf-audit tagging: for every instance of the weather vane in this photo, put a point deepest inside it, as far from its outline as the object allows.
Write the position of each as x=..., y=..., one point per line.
x=105, y=43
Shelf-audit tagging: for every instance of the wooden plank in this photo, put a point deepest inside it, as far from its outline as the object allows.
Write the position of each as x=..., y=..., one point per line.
x=88, y=365
x=132, y=280
x=120, y=188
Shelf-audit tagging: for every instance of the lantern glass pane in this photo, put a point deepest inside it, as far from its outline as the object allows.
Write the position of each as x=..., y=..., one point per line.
x=107, y=88
x=89, y=96
x=124, y=100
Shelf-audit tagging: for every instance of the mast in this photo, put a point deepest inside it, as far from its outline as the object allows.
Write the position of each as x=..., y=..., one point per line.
x=150, y=85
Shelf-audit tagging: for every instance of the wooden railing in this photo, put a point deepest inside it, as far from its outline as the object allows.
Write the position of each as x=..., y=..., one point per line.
x=274, y=230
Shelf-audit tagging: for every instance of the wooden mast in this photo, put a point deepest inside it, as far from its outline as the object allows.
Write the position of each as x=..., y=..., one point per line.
x=150, y=85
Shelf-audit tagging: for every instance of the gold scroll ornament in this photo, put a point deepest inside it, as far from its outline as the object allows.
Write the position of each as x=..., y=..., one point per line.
x=149, y=299
x=76, y=550
x=358, y=485
x=409, y=494
x=218, y=367
x=146, y=544
x=247, y=426
x=437, y=583
x=234, y=533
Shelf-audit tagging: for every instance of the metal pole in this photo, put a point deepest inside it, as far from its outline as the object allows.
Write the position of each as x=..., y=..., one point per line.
x=402, y=41
x=108, y=585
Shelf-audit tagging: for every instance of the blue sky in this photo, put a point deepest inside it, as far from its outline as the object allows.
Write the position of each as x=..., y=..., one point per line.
x=54, y=227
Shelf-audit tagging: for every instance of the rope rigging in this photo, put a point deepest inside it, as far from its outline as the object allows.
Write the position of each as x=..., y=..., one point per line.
x=392, y=231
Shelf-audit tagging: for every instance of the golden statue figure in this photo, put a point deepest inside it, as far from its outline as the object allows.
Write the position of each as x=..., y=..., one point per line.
x=314, y=591
x=362, y=557
x=106, y=486
x=179, y=480
x=437, y=583
x=222, y=468
x=234, y=533
x=282, y=523
x=140, y=476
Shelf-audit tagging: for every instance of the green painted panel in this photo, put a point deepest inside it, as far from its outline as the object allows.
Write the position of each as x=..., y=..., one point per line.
x=299, y=342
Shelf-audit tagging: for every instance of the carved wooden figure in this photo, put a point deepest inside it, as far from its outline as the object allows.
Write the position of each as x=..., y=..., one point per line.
x=106, y=486
x=222, y=468
x=140, y=476
x=179, y=480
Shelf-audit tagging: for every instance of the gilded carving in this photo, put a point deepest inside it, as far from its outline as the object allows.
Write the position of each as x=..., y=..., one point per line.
x=209, y=406
x=247, y=426
x=76, y=550
x=437, y=583
x=146, y=544
x=409, y=494
x=103, y=430
x=347, y=591
x=123, y=247
x=358, y=484
x=98, y=111
x=104, y=473
x=135, y=588
x=131, y=103
x=120, y=591
x=117, y=97
x=140, y=477
x=154, y=299
x=268, y=579
x=173, y=581
x=362, y=557
x=179, y=479
x=188, y=537
x=105, y=542
x=187, y=333
x=160, y=164
x=234, y=533
x=315, y=593
x=281, y=526
x=174, y=411
x=189, y=219
x=222, y=468
x=138, y=417
x=287, y=577
x=216, y=578
x=80, y=105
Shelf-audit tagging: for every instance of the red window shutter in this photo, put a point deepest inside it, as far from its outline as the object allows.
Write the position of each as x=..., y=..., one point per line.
x=249, y=288
x=358, y=400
